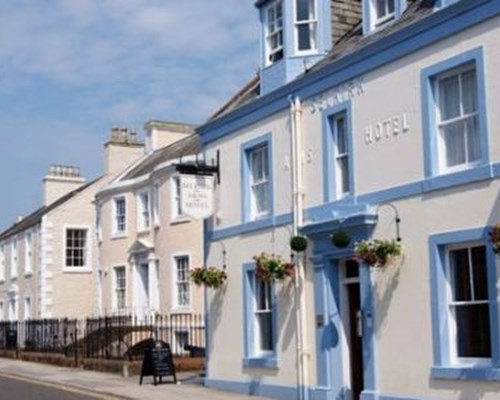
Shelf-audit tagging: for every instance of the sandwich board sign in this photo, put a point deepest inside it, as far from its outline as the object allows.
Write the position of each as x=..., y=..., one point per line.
x=197, y=195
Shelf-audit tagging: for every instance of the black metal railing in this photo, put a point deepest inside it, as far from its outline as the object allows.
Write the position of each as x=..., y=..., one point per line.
x=113, y=337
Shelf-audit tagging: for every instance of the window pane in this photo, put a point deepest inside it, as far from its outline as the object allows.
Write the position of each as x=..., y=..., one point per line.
x=263, y=295
x=460, y=274
x=473, y=331
x=478, y=257
x=390, y=6
x=265, y=322
x=261, y=193
x=304, y=37
x=473, y=139
x=304, y=9
x=340, y=125
x=343, y=166
x=449, y=98
x=469, y=92
x=454, y=141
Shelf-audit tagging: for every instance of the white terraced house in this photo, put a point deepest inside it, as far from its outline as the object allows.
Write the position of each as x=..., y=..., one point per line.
x=48, y=259
x=147, y=246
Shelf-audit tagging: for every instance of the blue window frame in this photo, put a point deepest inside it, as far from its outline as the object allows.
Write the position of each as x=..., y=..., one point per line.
x=257, y=178
x=454, y=121
x=338, y=165
x=465, y=326
x=260, y=312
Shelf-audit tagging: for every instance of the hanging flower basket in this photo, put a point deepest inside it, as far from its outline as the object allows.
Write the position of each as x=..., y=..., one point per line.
x=495, y=238
x=341, y=239
x=377, y=252
x=272, y=268
x=211, y=277
x=298, y=243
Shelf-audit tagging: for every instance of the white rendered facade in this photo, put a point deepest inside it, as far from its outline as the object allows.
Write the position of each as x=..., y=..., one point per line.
x=146, y=248
x=412, y=130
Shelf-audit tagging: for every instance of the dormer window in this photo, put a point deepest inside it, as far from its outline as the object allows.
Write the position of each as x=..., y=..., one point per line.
x=305, y=25
x=384, y=11
x=274, y=32
x=378, y=13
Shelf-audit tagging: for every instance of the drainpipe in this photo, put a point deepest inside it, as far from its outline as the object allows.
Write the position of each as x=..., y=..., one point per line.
x=298, y=220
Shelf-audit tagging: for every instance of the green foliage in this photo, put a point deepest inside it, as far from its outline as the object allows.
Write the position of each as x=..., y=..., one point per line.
x=341, y=239
x=211, y=277
x=377, y=253
x=272, y=268
x=298, y=243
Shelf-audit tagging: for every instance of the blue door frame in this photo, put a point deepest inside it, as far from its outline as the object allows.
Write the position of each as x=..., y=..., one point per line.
x=329, y=324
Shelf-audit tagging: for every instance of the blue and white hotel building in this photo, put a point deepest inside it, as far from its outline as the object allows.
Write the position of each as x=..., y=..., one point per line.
x=363, y=109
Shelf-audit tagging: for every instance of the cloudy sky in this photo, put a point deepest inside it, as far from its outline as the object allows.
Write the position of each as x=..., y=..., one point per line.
x=71, y=69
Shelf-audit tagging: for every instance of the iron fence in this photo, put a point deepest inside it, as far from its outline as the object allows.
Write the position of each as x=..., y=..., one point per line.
x=113, y=337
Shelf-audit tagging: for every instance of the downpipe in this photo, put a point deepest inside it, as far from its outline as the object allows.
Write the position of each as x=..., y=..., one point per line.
x=298, y=220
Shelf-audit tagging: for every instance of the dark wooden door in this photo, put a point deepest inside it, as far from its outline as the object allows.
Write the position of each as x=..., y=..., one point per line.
x=356, y=344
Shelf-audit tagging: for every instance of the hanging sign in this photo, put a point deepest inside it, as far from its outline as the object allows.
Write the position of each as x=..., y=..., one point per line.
x=197, y=195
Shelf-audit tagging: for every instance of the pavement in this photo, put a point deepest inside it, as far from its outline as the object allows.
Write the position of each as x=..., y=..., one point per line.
x=109, y=386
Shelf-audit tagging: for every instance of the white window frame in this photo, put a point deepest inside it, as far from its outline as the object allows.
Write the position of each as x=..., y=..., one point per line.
x=87, y=267
x=387, y=15
x=452, y=332
x=28, y=253
x=13, y=258
x=176, y=283
x=313, y=27
x=98, y=221
x=175, y=196
x=28, y=306
x=143, y=210
x=156, y=204
x=261, y=181
x=272, y=29
x=116, y=307
x=443, y=168
x=338, y=155
x=118, y=230
x=12, y=309
x=3, y=260
x=268, y=309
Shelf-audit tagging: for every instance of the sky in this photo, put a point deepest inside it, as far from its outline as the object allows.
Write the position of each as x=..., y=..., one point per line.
x=72, y=69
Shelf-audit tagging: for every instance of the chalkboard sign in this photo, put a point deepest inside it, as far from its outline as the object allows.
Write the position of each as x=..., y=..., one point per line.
x=158, y=362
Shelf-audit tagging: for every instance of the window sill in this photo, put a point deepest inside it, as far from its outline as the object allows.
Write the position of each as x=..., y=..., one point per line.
x=119, y=236
x=260, y=362
x=479, y=373
x=180, y=220
x=182, y=310
x=77, y=270
x=457, y=178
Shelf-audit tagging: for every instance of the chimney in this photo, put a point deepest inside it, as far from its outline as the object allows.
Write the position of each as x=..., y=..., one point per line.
x=60, y=180
x=161, y=134
x=122, y=148
x=346, y=15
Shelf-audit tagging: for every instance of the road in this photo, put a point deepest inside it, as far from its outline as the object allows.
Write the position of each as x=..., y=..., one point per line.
x=17, y=389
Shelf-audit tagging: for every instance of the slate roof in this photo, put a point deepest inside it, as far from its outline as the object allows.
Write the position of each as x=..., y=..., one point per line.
x=36, y=217
x=184, y=147
x=350, y=43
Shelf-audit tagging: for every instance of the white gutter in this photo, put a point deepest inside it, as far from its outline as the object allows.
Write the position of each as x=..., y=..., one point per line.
x=298, y=195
